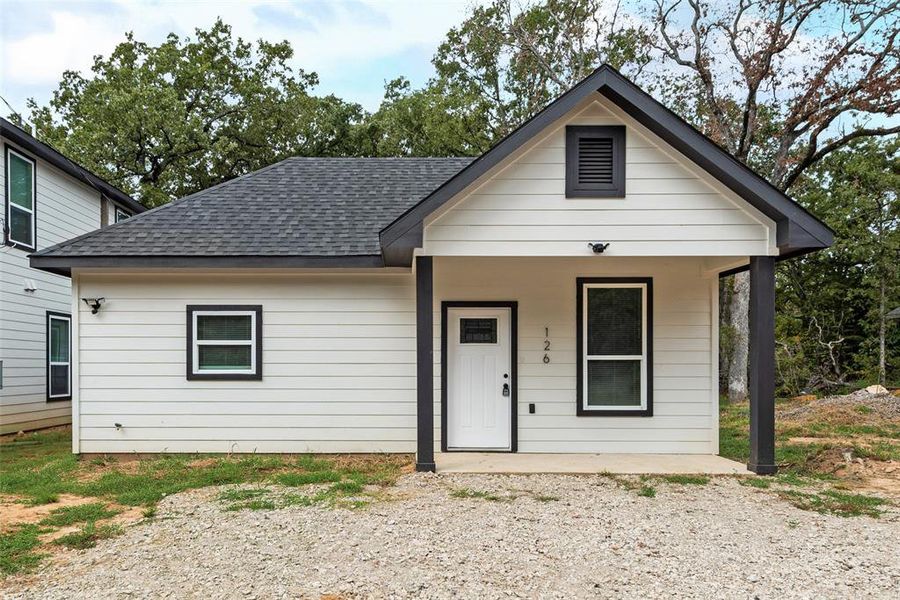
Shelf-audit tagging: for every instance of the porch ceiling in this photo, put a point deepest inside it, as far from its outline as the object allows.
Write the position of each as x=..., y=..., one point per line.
x=631, y=464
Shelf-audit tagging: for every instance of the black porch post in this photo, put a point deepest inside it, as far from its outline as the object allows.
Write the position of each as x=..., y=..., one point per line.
x=424, y=365
x=762, y=365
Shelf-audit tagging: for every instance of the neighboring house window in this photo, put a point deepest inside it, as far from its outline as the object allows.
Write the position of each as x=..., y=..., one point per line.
x=615, y=358
x=224, y=342
x=121, y=215
x=20, y=200
x=595, y=161
x=59, y=356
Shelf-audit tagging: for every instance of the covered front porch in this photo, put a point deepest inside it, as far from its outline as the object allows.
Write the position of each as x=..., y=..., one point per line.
x=541, y=304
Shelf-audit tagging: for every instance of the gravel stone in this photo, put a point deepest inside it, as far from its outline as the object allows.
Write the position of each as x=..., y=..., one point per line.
x=598, y=540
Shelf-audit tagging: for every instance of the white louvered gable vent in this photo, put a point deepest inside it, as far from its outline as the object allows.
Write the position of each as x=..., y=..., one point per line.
x=595, y=161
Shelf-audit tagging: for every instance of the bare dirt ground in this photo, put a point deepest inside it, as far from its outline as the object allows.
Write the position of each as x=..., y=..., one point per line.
x=489, y=536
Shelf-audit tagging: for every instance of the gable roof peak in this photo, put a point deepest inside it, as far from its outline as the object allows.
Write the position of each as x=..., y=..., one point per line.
x=798, y=231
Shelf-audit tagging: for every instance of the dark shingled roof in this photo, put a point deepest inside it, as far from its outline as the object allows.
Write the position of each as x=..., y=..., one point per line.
x=314, y=207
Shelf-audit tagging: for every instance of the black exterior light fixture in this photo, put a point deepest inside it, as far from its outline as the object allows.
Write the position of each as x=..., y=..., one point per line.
x=94, y=304
x=598, y=247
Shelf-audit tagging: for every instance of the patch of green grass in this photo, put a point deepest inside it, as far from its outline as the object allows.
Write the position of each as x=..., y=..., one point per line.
x=800, y=459
x=380, y=477
x=756, y=482
x=834, y=502
x=467, y=493
x=803, y=459
x=309, y=462
x=546, y=498
x=258, y=504
x=864, y=410
x=297, y=500
x=300, y=479
x=237, y=495
x=18, y=549
x=38, y=466
x=686, y=479
x=81, y=513
x=347, y=487
x=647, y=491
x=88, y=536
x=879, y=450
x=161, y=477
x=792, y=479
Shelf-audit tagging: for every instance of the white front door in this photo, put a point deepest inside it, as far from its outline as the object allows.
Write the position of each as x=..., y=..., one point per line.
x=479, y=384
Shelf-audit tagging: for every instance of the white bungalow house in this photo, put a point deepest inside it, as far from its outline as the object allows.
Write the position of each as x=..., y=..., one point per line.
x=557, y=294
x=47, y=199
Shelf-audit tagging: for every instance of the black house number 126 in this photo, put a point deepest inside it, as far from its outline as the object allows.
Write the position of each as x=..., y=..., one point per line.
x=546, y=345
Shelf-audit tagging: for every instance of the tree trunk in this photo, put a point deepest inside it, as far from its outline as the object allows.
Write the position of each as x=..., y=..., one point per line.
x=740, y=323
x=882, y=326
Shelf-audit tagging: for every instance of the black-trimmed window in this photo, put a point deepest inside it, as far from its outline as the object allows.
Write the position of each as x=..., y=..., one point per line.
x=615, y=346
x=20, y=228
x=59, y=356
x=224, y=342
x=121, y=214
x=595, y=161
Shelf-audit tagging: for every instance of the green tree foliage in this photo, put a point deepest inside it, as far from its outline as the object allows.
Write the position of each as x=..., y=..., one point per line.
x=426, y=122
x=165, y=121
x=832, y=303
x=169, y=120
x=508, y=60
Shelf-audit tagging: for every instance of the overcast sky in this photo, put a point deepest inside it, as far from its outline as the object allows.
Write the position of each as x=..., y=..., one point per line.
x=354, y=45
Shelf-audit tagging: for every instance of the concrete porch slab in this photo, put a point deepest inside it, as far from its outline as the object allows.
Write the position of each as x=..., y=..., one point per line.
x=625, y=464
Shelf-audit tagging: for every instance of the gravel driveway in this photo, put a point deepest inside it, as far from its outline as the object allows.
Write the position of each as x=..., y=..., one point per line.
x=558, y=537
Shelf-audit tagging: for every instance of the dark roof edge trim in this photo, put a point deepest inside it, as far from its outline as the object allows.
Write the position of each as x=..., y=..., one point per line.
x=63, y=265
x=47, y=153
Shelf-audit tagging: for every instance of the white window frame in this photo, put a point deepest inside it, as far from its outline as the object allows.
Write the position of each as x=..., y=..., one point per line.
x=195, y=367
x=586, y=358
x=9, y=203
x=121, y=215
x=50, y=364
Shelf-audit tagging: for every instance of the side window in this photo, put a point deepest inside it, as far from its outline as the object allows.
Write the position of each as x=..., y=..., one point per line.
x=615, y=347
x=20, y=200
x=121, y=214
x=59, y=356
x=595, y=161
x=224, y=342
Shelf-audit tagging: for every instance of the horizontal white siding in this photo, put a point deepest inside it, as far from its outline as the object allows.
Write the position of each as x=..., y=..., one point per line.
x=338, y=366
x=684, y=351
x=339, y=360
x=65, y=208
x=670, y=208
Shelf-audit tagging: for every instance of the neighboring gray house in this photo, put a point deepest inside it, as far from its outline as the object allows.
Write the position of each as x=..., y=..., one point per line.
x=558, y=294
x=47, y=199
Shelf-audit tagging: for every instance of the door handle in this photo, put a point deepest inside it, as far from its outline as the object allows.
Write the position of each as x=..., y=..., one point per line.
x=506, y=389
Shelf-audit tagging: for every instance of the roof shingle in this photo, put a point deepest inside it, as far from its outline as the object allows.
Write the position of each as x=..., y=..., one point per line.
x=297, y=207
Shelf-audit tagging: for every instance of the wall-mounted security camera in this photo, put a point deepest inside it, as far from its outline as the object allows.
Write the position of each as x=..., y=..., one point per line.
x=94, y=304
